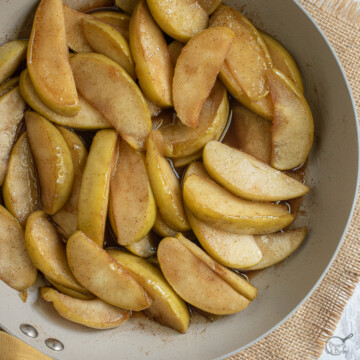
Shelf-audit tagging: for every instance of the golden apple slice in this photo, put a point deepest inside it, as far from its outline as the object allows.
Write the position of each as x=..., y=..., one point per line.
x=154, y=109
x=196, y=70
x=293, y=124
x=48, y=59
x=85, y=5
x=196, y=282
x=106, y=86
x=151, y=55
x=175, y=48
x=85, y=295
x=212, y=204
x=12, y=108
x=209, y=5
x=12, y=54
x=106, y=40
x=146, y=247
x=228, y=249
x=67, y=217
x=167, y=308
x=126, y=5
x=277, y=247
x=74, y=30
x=47, y=251
x=98, y=272
x=195, y=168
x=283, y=61
x=180, y=19
x=95, y=314
x=183, y=161
x=95, y=185
x=88, y=118
x=132, y=204
x=20, y=190
x=253, y=133
x=166, y=186
x=53, y=161
x=180, y=140
x=16, y=268
x=248, y=177
x=161, y=227
x=248, y=57
x=8, y=85
x=116, y=19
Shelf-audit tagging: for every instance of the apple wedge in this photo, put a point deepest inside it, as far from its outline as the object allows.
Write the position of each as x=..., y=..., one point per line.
x=84, y=295
x=67, y=217
x=209, y=5
x=180, y=19
x=16, y=268
x=117, y=20
x=101, y=274
x=88, y=118
x=154, y=109
x=8, y=85
x=20, y=190
x=180, y=140
x=197, y=283
x=146, y=247
x=277, y=247
x=252, y=132
x=248, y=58
x=293, y=124
x=126, y=5
x=47, y=251
x=283, y=61
x=132, y=205
x=165, y=185
x=175, y=48
x=48, y=59
x=212, y=204
x=248, y=177
x=12, y=108
x=106, y=40
x=167, y=308
x=53, y=161
x=95, y=314
x=12, y=54
x=151, y=55
x=228, y=249
x=161, y=227
x=108, y=87
x=95, y=185
x=195, y=168
x=196, y=70
x=186, y=160
x=86, y=5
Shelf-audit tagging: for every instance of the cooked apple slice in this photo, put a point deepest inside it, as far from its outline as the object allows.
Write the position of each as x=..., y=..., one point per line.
x=195, y=168
x=132, y=203
x=98, y=272
x=248, y=177
x=213, y=204
x=154, y=109
x=116, y=19
x=12, y=108
x=146, y=247
x=53, y=161
x=106, y=86
x=47, y=251
x=16, y=268
x=95, y=314
x=248, y=57
x=180, y=140
x=67, y=217
x=8, y=85
x=183, y=161
x=126, y=5
x=95, y=185
x=48, y=59
x=196, y=70
x=161, y=227
x=277, y=247
x=228, y=249
x=151, y=55
x=85, y=5
x=85, y=295
x=196, y=282
x=209, y=5
x=175, y=48
x=283, y=61
x=180, y=19
x=12, y=54
x=253, y=133
x=293, y=125
x=20, y=189
x=167, y=308
x=88, y=118
x=165, y=185
x=106, y=40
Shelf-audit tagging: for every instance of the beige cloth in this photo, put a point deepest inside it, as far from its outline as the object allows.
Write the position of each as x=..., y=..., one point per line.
x=304, y=335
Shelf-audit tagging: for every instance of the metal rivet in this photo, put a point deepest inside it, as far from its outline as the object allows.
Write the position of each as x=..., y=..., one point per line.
x=54, y=344
x=29, y=330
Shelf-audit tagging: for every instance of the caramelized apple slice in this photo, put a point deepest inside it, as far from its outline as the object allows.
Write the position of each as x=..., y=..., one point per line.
x=146, y=247
x=8, y=85
x=209, y=5
x=83, y=295
x=85, y=5
x=175, y=48
x=161, y=227
x=12, y=54
x=126, y=5
x=116, y=19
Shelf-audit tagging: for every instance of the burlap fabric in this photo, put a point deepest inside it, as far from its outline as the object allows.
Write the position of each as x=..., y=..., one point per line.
x=304, y=335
